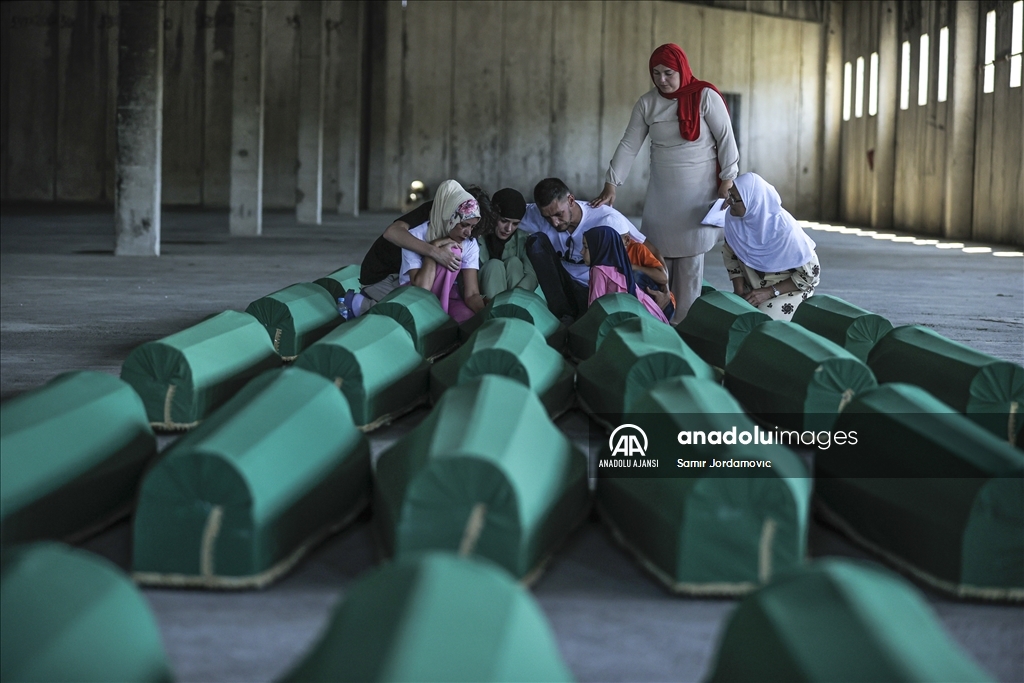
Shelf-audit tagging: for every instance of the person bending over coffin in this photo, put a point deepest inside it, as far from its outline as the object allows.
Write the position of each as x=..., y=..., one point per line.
x=557, y=223
x=378, y=273
x=610, y=270
x=503, y=260
x=454, y=215
x=770, y=259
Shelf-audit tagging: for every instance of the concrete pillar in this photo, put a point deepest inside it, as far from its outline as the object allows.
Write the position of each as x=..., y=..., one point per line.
x=343, y=102
x=884, y=177
x=832, y=117
x=140, y=100
x=248, y=90
x=309, y=177
x=960, y=129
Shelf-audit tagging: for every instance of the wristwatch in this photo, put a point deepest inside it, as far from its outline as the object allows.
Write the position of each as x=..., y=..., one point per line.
x=775, y=290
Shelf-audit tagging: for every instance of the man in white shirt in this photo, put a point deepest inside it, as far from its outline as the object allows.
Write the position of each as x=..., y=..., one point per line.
x=557, y=223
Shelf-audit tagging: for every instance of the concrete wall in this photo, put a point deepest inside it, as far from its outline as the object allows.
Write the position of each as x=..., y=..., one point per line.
x=946, y=156
x=58, y=85
x=506, y=93
x=999, y=152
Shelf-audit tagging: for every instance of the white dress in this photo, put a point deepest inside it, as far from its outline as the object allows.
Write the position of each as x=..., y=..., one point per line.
x=683, y=182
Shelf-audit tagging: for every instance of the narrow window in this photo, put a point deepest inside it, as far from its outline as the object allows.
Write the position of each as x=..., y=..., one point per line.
x=858, y=96
x=943, y=63
x=873, y=85
x=1015, y=43
x=847, y=74
x=922, y=76
x=905, y=76
x=990, y=52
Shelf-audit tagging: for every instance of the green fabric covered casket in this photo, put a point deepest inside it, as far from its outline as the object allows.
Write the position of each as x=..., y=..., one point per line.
x=69, y=615
x=435, y=617
x=853, y=328
x=511, y=348
x=587, y=333
x=839, y=620
x=71, y=455
x=519, y=303
x=635, y=355
x=486, y=473
x=706, y=287
x=239, y=501
x=702, y=530
x=433, y=331
x=186, y=376
x=988, y=390
x=374, y=363
x=789, y=376
x=296, y=316
x=931, y=491
x=717, y=324
x=340, y=281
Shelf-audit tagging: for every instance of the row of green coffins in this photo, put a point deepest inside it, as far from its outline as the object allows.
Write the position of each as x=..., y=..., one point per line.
x=802, y=383
x=379, y=361
x=976, y=384
x=68, y=615
x=988, y=390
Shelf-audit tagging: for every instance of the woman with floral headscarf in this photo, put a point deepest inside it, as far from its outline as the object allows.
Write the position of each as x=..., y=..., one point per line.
x=693, y=161
x=454, y=215
x=768, y=256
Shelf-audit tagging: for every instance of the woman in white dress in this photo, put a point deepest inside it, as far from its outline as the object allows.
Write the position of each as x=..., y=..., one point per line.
x=693, y=161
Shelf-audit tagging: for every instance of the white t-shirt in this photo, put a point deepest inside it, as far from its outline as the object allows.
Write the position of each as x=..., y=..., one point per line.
x=592, y=217
x=413, y=261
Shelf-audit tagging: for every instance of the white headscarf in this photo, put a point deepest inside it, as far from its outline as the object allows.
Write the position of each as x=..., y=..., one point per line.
x=452, y=205
x=767, y=237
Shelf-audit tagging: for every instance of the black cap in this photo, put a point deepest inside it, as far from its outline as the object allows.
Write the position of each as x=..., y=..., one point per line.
x=509, y=203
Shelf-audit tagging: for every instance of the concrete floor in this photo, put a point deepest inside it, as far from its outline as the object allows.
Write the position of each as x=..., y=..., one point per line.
x=68, y=304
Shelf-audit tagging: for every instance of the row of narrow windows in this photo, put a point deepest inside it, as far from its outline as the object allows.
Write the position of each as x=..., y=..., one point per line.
x=854, y=76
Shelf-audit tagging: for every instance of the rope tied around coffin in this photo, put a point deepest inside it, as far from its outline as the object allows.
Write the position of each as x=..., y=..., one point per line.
x=474, y=527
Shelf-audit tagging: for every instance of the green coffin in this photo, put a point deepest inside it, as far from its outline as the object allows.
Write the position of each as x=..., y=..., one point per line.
x=791, y=377
x=296, y=316
x=699, y=531
x=929, y=490
x=340, y=281
x=519, y=303
x=706, y=287
x=375, y=364
x=717, y=324
x=435, y=617
x=487, y=474
x=71, y=455
x=433, y=331
x=839, y=620
x=186, y=376
x=988, y=390
x=511, y=348
x=241, y=499
x=635, y=355
x=587, y=333
x=853, y=328
x=69, y=615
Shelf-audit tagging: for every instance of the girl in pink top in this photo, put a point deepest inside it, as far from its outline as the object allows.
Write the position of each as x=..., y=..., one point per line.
x=610, y=270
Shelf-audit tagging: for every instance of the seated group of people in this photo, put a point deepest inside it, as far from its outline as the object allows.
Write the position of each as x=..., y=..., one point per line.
x=466, y=248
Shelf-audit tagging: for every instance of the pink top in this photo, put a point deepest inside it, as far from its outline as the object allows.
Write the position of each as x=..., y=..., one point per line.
x=607, y=280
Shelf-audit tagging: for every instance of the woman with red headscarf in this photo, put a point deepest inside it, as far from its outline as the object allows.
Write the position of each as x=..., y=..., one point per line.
x=693, y=162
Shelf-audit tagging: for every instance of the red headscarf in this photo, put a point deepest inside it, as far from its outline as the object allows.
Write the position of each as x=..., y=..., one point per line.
x=688, y=94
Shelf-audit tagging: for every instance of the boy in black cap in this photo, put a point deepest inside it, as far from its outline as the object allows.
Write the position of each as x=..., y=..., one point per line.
x=503, y=260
